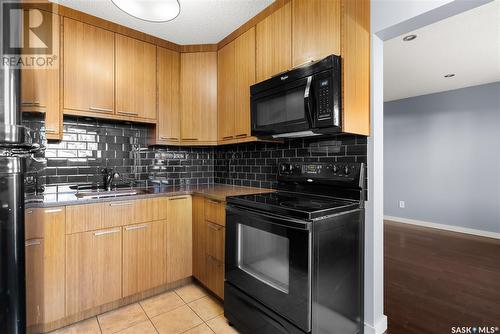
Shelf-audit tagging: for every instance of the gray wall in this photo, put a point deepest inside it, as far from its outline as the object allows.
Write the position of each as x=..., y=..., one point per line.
x=442, y=157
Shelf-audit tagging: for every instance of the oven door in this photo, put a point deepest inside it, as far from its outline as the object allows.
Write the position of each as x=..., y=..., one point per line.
x=269, y=258
x=283, y=109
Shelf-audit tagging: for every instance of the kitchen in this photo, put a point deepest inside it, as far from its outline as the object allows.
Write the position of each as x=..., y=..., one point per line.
x=184, y=166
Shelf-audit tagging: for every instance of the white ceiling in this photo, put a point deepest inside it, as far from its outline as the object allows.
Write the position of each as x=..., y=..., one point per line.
x=467, y=44
x=200, y=21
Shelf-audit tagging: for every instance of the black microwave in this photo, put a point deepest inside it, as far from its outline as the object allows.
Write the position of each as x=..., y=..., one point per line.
x=303, y=102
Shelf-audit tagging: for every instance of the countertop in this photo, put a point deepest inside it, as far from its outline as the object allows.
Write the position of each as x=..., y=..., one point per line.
x=61, y=196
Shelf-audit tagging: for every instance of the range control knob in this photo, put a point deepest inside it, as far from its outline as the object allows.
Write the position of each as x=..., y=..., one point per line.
x=347, y=171
x=335, y=169
x=286, y=168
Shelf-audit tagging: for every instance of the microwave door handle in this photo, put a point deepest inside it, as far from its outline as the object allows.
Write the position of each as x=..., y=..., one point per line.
x=307, y=101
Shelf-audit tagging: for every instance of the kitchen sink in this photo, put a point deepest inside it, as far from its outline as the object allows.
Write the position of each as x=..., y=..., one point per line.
x=110, y=193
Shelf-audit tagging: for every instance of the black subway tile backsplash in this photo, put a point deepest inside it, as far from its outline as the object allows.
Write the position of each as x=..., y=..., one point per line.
x=89, y=145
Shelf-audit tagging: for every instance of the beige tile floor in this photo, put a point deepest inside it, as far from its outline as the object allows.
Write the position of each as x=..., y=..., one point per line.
x=189, y=309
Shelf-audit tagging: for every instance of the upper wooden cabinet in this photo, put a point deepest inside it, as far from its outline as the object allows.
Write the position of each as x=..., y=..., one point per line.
x=135, y=63
x=199, y=98
x=40, y=86
x=89, y=75
x=274, y=43
x=316, y=30
x=355, y=52
x=225, y=91
x=244, y=77
x=236, y=73
x=169, y=123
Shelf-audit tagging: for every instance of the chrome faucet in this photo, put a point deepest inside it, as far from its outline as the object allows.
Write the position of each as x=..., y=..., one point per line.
x=109, y=176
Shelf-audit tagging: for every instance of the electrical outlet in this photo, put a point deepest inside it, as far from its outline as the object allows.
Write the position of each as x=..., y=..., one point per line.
x=402, y=204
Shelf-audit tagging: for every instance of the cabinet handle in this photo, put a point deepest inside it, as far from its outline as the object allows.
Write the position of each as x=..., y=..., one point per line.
x=101, y=109
x=128, y=113
x=29, y=212
x=32, y=103
x=50, y=130
x=177, y=198
x=227, y=138
x=53, y=210
x=121, y=204
x=214, y=226
x=106, y=232
x=190, y=139
x=30, y=243
x=214, y=260
x=242, y=135
x=169, y=138
x=131, y=228
x=213, y=201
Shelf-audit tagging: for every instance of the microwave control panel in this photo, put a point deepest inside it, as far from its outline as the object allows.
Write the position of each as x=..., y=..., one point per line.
x=324, y=99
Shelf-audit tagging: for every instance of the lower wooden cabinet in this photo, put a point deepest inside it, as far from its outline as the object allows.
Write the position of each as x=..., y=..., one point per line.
x=179, y=238
x=209, y=243
x=199, y=239
x=34, y=282
x=93, y=269
x=45, y=249
x=144, y=257
x=215, y=276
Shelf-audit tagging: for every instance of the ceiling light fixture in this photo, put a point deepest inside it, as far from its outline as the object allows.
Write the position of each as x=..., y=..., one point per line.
x=150, y=10
x=450, y=75
x=409, y=38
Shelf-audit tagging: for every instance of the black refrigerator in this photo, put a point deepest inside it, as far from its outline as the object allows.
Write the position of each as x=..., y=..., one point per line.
x=15, y=149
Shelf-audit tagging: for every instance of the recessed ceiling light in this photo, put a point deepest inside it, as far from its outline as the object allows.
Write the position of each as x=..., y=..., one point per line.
x=150, y=10
x=449, y=75
x=409, y=38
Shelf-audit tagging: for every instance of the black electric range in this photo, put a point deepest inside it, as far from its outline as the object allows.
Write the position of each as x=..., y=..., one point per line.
x=294, y=258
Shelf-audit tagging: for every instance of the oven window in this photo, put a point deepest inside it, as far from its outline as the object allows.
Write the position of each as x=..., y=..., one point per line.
x=283, y=108
x=265, y=256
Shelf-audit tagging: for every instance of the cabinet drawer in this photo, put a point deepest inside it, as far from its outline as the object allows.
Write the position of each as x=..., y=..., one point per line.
x=82, y=218
x=148, y=210
x=215, y=241
x=119, y=213
x=215, y=212
x=33, y=224
x=215, y=276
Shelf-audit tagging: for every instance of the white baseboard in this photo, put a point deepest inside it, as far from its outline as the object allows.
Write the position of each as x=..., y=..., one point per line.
x=379, y=328
x=472, y=231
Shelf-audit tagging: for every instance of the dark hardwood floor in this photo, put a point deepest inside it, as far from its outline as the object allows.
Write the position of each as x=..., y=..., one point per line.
x=437, y=279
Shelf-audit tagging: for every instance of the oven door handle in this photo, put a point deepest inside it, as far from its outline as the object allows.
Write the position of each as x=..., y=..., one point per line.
x=308, y=102
x=285, y=222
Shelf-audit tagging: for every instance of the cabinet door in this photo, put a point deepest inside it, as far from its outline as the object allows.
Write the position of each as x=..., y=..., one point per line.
x=144, y=257
x=53, y=263
x=169, y=121
x=135, y=78
x=40, y=86
x=244, y=77
x=316, y=29
x=93, y=269
x=199, y=239
x=199, y=97
x=179, y=238
x=215, y=276
x=89, y=68
x=225, y=91
x=274, y=43
x=34, y=282
x=356, y=67
x=215, y=241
